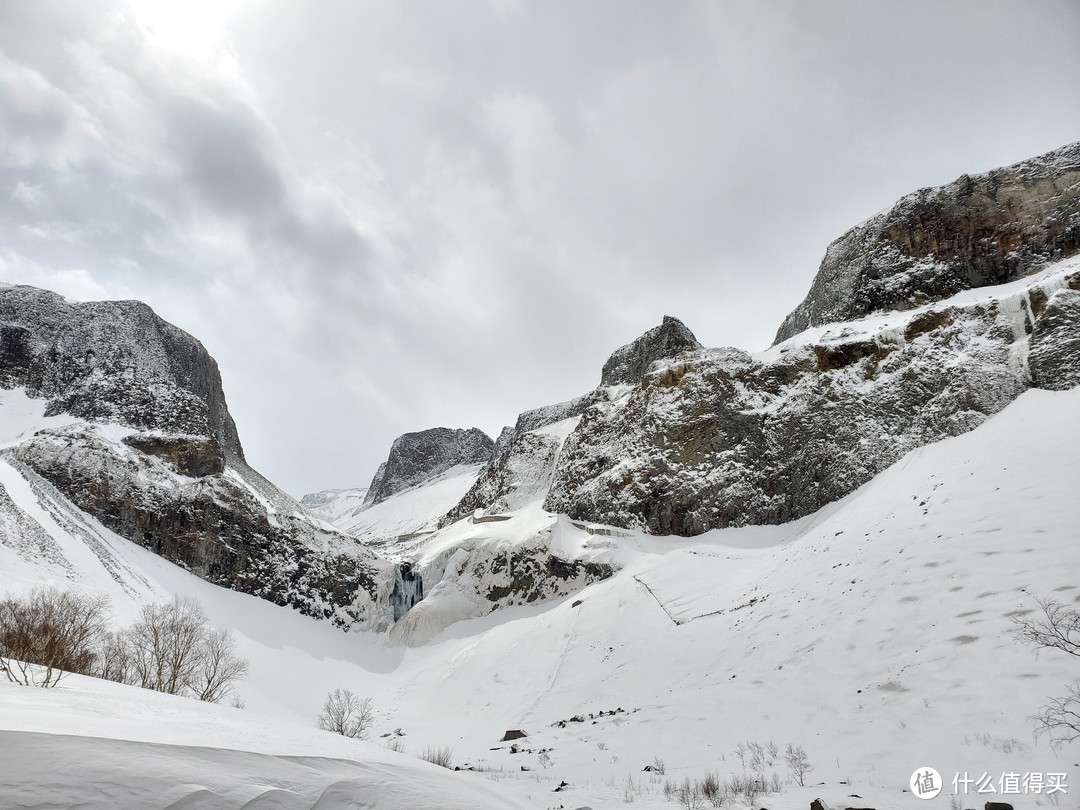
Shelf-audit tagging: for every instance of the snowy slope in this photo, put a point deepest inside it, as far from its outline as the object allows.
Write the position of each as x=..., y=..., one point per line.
x=875, y=633
x=413, y=510
x=141, y=749
x=330, y=504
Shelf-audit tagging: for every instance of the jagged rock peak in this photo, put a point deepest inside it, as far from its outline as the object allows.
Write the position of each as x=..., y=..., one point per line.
x=418, y=457
x=629, y=363
x=112, y=361
x=977, y=231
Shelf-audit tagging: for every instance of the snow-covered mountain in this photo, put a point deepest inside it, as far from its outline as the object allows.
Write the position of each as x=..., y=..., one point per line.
x=330, y=504
x=920, y=323
x=418, y=457
x=113, y=415
x=876, y=633
x=823, y=543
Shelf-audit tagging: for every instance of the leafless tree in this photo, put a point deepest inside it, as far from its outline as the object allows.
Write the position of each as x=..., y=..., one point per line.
x=346, y=714
x=49, y=633
x=218, y=667
x=798, y=763
x=1055, y=627
x=163, y=645
x=170, y=648
x=114, y=660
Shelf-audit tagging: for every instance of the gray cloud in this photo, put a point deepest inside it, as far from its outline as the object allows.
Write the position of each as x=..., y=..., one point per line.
x=384, y=216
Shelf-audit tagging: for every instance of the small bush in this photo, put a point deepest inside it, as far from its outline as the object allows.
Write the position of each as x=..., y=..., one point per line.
x=688, y=794
x=346, y=714
x=396, y=744
x=438, y=756
x=712, y=789
x=670, y=789
x=658, y=766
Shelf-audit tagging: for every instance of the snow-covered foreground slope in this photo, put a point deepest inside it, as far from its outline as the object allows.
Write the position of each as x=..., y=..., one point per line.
x=875, y=633
x=96, y=744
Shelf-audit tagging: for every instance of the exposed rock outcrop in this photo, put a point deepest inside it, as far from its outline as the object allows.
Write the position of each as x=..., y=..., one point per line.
x=187, y=455
x=1055, y=342
x=418, y=457
x=977, y=231
x=523, y=464
x=112, y=361
x=721, y=438
x=629, y=363
x=474, y=576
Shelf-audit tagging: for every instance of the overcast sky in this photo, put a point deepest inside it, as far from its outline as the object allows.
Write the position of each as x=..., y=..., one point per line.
x=382, y=217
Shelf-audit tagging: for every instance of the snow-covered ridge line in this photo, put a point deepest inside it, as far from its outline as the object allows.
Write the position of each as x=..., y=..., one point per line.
x=977, y=231
x=1060, y=275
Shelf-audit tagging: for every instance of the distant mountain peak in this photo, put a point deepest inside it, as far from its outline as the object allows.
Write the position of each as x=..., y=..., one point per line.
x=418, y=457
x=629, y=363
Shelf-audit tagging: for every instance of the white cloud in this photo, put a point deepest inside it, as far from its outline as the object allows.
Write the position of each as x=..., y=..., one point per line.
x=379, y=219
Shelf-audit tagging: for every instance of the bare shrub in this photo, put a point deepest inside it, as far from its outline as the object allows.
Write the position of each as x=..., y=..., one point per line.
x=712, y=789
x=798, y=763
x=658, y=766
x=760, y=756
x=346, y=714
x=670, y=789
x=688, y=794
x=442, y=756
x=1058, y=628
x=396, y=744
x=49, y=633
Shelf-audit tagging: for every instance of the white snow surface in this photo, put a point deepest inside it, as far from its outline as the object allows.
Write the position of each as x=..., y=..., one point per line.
x=411, y=511
x=875, y=633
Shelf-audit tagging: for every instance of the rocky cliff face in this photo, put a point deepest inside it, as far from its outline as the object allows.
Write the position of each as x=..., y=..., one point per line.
x=977, y=231
x=112, y=361
x=153, y=454
x=526, y=455
x=629, y=363
x=1055, y=340
x=723, y=438
x=418, y=457
x=707, y=438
